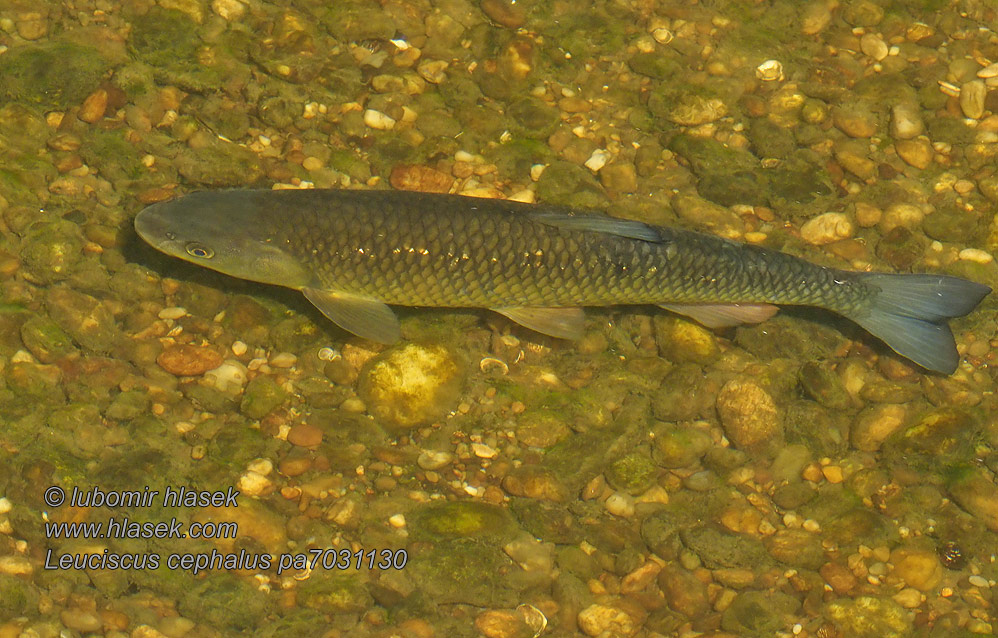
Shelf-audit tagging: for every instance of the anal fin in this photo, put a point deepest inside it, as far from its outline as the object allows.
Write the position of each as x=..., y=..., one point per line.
x=564, y=323
x=723, y=315
x=363, y=316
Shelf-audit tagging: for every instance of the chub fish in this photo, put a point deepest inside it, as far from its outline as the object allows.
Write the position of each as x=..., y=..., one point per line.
x=354, y=253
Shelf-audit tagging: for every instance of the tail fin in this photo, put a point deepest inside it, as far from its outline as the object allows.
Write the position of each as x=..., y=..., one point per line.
x=909, y=314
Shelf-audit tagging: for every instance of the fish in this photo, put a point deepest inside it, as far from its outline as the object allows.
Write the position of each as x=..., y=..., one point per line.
x=355, y=253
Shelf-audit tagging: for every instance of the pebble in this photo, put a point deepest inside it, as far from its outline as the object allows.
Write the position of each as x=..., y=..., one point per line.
x=827, y=228
x=507, y=13
x=433, y=459
x=94, y=106
x=832, y=473
x=816, y=17
x=919, y=568
x=415, y=177
x=620, y=504
x=873, y=45
x=185, y=360
x=230, y=377
x=254, y=483
x=867, y=215
x=378, y=120
x=239, y=348
x=607, y=620
x=412, y=384
x=15, y=565
x=483, y=451
x=80, y=620
x=900, y=214
x=748, y=414
x=230, y=10
x=909, y=598
x=917, y=153
x=906, y=121
x=839, y=577
x=855, y=120
x=976, y=255
x=283, y=360
x=875, y=423
x=433, y=71
x=597, y=160
x=305, y=435
x=175, y=312
x=501, y=623
x=972, y=97
x=979, y=581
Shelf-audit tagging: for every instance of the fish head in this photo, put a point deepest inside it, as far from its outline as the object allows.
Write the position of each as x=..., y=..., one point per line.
x=225, y=231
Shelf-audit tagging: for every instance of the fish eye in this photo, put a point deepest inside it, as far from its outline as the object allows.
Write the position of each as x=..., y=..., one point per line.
x=194, y=249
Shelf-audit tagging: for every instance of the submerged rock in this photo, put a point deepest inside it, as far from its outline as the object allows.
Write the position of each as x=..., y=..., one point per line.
x=411, y=384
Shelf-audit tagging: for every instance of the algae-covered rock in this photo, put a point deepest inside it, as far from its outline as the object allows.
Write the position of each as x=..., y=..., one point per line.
x=760, y=613
x=677, y=446
x=85, y=318
x=45, y=339
x=411, y=384
x=334, y=591
x=211, y=601
x=721, y=549
x=18, y=597
x=51, y=251
x=461, y=519
x=466, y=571
x=50, y=74
x=634, y=473
x=262, y=395
x=869, y=617
x=975, y=491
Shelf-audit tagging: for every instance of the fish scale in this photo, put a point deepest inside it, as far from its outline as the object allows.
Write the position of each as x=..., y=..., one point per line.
x=376, y=258
x=352, y=252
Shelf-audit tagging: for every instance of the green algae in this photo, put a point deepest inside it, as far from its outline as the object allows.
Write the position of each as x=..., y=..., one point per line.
x=50, y=74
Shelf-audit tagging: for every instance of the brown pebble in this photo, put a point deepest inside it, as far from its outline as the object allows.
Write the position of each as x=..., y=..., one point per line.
x=295, y=465
x=305, y=435
x=185, y=360
x=94, y=107
x=413, y=177
x=154, y=195
x=838, y=577
x=501, y=623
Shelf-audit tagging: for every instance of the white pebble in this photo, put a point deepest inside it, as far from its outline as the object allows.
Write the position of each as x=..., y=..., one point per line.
x=483, y=451
x=176, y=312
x=261, y=466
x=228, y=377
x=990, y=71
x=238, y=348
x=378, y=120
x=228, y=9
x=976, y=255
x=536, y=170
x=283, y=360
x=254, y=483
x=979, y=581
x=5, y=505
x=397, y=521
x=598, y=159
x=827, y=228
x=620, y=504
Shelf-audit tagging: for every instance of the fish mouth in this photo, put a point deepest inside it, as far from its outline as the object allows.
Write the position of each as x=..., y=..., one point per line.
x=153, y=226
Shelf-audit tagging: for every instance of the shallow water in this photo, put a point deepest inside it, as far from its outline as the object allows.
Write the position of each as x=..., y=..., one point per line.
x=656, y=478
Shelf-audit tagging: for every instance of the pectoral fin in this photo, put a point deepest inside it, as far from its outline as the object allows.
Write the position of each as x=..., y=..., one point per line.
x=564, y=323
x=363, y=316
x=723, y=315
